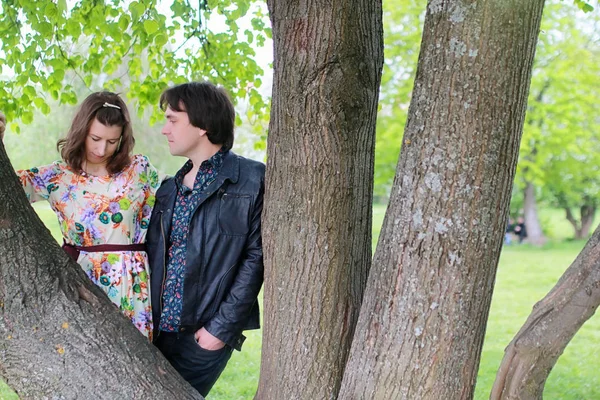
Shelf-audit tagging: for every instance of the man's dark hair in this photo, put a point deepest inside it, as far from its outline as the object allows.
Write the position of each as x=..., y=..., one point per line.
x=208, y=107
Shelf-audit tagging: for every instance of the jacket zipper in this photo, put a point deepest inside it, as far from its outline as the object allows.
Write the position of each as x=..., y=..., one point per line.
x=202, y=273
x=213, y=308
x=164, y=256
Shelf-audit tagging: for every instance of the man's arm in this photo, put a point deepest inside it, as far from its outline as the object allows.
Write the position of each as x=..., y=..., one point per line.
x=229, y=320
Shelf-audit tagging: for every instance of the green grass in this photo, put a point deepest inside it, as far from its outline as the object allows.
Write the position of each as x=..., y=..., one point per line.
x=525, y=275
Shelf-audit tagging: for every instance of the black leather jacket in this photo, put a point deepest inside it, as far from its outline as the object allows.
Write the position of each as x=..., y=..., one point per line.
x=224, y=260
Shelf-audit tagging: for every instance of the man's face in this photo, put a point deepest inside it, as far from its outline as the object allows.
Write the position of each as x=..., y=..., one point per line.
x=183, y=137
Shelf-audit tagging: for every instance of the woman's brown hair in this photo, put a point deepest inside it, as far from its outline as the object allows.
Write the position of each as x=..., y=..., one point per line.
x=110, y=110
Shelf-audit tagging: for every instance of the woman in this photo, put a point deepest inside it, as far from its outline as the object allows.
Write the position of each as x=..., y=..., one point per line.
x=103, y=198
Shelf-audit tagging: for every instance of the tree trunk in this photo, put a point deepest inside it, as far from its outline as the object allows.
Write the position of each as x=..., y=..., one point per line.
x=572, y=220
x=583, y=226
x=317, y=216
x=60, y=336
x=535, y=235
x=587, y=212
x=423, y=318
x=533, y=352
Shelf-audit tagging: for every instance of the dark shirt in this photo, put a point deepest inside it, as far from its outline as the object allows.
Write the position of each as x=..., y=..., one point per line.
x=186, y=202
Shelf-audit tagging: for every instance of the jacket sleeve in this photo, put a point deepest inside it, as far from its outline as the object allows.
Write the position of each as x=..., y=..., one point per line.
x=233, y=312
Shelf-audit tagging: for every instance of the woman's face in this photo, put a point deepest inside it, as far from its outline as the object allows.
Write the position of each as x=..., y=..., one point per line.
x=101, y=142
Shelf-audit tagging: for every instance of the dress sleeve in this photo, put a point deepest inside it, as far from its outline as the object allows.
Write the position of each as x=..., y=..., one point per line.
x=39, y=182
x=151, y=180
x=150, y=175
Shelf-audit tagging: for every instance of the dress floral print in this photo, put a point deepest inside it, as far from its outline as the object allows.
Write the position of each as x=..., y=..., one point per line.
x=95, y=210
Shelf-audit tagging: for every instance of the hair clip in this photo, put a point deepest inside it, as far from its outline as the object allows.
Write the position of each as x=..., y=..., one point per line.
x=111, y=105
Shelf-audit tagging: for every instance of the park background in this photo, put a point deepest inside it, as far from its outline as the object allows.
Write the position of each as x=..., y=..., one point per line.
x=557, y=187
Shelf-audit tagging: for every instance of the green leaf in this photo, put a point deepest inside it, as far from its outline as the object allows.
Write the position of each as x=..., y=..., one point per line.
x=74, y=29
x=45, y=28
x=150, y=26
x=160, y=40
x=51, y=11
x=45, y=108
x=62, y=6
x=27, y=117
x=587, y=8
x=29, y=91
x=136, y=9
x=124, y=22
x=38, y=101
x=59, y=74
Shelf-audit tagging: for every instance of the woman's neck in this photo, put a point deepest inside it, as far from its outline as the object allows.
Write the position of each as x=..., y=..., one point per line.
x=94, y=169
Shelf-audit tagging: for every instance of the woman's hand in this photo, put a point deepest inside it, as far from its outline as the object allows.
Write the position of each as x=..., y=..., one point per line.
x=2, y=125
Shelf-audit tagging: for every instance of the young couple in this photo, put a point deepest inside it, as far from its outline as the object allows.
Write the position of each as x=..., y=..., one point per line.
x=181, y=257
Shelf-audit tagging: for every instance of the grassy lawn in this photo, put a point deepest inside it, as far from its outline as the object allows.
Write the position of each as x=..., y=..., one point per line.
x=525, y=275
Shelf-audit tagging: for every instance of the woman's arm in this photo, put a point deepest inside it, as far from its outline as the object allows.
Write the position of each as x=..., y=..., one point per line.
x=2, y=125
x=35, y=181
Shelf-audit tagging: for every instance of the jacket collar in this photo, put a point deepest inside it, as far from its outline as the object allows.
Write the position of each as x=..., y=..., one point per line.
x=230, y=170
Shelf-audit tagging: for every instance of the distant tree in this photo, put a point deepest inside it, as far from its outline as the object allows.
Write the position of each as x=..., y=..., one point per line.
x=560, y=147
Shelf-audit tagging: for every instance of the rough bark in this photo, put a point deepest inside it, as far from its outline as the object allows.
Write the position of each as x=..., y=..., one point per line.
x=582, y=226
x=535, y=235
x=533, y=352
x=60, y=336
x=423, y=318
x=317, y=216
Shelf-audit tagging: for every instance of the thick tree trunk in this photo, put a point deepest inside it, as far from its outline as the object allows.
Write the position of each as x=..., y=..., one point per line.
x=533, y=352
x=60, y=336
x=317, y=216
x=422, y=323
x=535, y=235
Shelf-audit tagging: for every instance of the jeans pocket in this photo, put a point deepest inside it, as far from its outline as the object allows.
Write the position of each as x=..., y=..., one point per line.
x=203, y=353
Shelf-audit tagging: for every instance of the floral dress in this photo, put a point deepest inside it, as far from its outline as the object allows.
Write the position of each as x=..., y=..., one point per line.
x=94, y=210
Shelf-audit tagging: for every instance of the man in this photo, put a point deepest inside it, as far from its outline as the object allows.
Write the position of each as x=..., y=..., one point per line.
x=204, y=239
